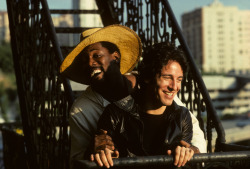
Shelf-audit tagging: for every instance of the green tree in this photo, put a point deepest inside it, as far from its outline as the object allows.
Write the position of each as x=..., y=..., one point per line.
x=6, y=62
x=8, y=91
x=3, y=101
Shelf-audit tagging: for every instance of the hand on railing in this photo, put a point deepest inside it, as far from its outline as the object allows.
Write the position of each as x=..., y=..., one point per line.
x=104, y=150
x=182, y=153
x=235, y=159
x=105, y=157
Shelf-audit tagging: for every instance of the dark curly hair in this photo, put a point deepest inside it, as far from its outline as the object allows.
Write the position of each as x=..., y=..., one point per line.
x=157, y=56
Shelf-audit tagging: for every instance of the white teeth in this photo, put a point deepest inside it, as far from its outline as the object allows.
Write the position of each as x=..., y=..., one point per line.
x=170, y=94
x=95, y=71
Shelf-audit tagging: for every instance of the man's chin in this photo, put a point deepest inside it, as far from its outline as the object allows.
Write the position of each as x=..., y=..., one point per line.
x=96, y=80
x=168, y=102
x=97, y=83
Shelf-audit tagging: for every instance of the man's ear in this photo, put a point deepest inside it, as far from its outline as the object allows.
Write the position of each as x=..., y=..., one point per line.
x=117, y=56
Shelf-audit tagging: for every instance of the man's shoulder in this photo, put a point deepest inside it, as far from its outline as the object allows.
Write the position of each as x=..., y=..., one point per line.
x=89, y=96
x=113, y=108
x=181, y=108
x=88, y=101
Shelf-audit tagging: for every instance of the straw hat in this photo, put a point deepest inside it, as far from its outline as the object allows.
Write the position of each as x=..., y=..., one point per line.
x=128, y=42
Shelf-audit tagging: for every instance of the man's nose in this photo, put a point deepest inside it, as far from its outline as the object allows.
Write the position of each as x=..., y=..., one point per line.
x=173, y=85
x=92, y=61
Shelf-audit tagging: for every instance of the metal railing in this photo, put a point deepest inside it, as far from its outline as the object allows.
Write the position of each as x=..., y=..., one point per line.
x=220, y=160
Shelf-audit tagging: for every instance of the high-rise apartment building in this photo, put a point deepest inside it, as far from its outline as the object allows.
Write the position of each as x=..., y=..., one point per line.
x=218, y=37
x=4, y=27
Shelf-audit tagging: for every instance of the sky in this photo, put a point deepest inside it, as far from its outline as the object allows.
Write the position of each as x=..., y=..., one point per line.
x=178, y=6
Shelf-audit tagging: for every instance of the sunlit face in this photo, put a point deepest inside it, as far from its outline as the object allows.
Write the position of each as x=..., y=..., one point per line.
x=169, y=82
x=99, y=60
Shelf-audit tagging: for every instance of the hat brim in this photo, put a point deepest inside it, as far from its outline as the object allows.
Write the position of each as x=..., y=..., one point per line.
x=127, y=41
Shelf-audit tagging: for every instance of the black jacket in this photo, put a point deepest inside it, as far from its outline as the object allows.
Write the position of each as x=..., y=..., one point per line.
x=126, y=128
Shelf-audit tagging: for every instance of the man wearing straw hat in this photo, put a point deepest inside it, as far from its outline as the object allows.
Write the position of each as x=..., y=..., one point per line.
x=101, y=60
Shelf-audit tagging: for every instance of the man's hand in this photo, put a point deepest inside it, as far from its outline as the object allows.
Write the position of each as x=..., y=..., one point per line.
x=104, y=157
x=102, y=141
x=182, y=154
x=104, y=149
x=187, y=145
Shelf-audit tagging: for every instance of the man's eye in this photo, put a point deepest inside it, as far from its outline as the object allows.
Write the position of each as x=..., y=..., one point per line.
x=97, y=56
x=180, y=80
x=166, y=77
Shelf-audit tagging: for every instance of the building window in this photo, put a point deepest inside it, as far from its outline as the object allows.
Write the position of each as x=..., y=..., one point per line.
x=220, y=20
x=220, y=13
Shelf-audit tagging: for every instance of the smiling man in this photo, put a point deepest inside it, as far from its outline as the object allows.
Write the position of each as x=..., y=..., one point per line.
x=156, y=125
x=99, y=60
x=104, y=63
x=169, y=82
x=102, y=60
